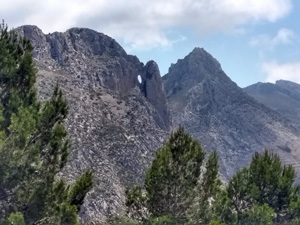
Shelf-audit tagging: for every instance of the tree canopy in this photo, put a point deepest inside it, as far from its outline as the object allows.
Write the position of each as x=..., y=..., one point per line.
x=178, y=183
x=181, y=187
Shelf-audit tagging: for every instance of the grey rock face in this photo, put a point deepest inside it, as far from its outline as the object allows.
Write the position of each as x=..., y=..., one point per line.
x=283, y=97
x=92, y=58
x=152, y=89
x=223, y=117
x=114, y=127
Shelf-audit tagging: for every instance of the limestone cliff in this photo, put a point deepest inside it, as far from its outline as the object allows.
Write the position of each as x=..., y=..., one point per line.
x=115, y=123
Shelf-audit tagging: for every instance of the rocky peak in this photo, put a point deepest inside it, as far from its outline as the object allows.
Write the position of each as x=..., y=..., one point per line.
x=32, y=32
x=152, y=89
x=197, y=59
x=94, y=59
x=211, y=107
x=187, y=72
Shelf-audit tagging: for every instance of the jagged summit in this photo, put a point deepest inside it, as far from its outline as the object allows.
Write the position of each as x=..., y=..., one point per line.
x=195, y=67
x=152, y=88
x=94, y=59
x=81, y=51
x=99, y=42
x=223, y=117
x=197, y=54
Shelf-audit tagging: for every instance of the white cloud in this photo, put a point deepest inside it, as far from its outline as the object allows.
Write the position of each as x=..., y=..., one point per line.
x=287, y=71
x=142, y=23
x=284, y=36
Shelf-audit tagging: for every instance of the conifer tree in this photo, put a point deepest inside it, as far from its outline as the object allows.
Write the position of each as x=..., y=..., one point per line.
x=136, y=202
x=208, y=189
x=78, y=191
x=173, y=176
x=239, y=193
x=265, y=182
x=17, y=74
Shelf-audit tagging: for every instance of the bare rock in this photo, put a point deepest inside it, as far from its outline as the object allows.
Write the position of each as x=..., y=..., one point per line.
x=283, y=97
x=152, y=89
x=114, y=127
x=223, y=117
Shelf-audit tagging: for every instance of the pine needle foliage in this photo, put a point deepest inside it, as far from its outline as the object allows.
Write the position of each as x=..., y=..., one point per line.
x=173, y=176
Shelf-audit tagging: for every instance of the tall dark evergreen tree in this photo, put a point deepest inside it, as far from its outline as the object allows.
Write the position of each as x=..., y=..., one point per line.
x=173, y=176
x=265, y=182
x=17, y=74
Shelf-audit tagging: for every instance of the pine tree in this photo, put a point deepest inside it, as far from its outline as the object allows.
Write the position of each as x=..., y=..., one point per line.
x=78, y=191
x=208, y=189
x=222, y=210
x=17, y=74
x=136, y=202
x=173, y=176
x=239, y=193
x=265, y=182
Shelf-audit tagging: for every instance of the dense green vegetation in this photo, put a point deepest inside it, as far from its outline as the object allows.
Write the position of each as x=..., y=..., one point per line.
x=33, y=144
x=182, y=188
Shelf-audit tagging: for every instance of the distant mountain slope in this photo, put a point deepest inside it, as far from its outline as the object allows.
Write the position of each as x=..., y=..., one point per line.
x=283, y=97
x=223, y=117
x=115, y=123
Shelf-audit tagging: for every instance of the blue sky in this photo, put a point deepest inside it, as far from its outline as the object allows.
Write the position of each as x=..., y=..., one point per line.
x=254, y=40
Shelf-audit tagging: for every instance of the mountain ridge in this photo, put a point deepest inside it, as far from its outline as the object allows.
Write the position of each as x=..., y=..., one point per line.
x=283, y=97
x=218, y=113
x=115, y=123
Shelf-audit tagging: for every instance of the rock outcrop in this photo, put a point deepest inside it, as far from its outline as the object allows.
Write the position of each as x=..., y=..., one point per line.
x=223, y=117
x=152, y=88
x=283, y=97
x=115, y=123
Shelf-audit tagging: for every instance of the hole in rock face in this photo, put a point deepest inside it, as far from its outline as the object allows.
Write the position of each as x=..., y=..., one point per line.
x=139, y=78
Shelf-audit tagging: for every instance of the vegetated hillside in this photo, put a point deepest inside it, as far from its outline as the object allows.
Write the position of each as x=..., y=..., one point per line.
x=223, y=117
x=115, y=123
x=283, y=97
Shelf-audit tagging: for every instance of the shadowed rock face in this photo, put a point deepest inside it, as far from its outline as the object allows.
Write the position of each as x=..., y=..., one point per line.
x=115, y=123
x=152, y=89
x=223, y=117
x=283, y=97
